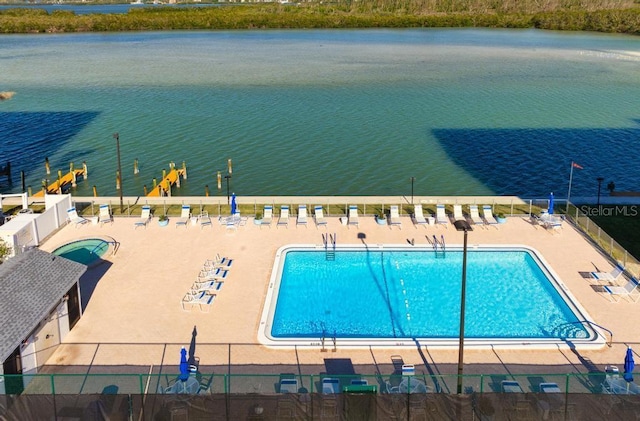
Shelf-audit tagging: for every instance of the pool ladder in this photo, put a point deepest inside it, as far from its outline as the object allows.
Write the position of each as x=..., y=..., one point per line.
x=329, y=241
x=439, y=246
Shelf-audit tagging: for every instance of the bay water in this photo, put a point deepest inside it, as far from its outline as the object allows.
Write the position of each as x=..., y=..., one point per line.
x=326, y=112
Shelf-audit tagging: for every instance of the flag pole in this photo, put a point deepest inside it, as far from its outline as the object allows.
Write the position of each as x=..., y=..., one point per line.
x=569, y=192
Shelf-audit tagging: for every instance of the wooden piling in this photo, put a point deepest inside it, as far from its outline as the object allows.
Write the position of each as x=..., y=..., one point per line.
x=95, y=191
x=219, y=181
x=229, y=166
x=47, y=167
x=117, y=180
x=206, y=190
x=184, y=170
x=84, y=169
x=135, y=166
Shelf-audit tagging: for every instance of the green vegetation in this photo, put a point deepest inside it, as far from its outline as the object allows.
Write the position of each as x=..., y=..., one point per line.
x=620, y=222
x=620, y=16
x=4, y=250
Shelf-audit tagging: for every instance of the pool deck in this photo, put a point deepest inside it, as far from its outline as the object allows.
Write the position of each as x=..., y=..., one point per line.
x=134, y=321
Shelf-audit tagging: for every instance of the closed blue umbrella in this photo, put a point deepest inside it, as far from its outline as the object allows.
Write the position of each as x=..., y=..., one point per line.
x=184, y=365
x=233, y=204
x=551, y=204
x=629, y=365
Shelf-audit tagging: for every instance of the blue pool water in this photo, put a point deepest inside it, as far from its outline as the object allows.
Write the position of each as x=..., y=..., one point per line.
x=414, y=294
x=87, y=251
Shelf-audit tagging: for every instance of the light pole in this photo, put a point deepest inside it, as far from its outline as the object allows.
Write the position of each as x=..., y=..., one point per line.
x=413, y=179
x=116, y=136
x=462, y=226
x=600, y=180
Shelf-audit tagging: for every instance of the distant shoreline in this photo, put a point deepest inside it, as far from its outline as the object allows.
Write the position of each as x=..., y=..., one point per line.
x=365, y=14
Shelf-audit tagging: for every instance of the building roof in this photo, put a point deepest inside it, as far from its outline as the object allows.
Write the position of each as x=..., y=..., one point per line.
x=31, y=284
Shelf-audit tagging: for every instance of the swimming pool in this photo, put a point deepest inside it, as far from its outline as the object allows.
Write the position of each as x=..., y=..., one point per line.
x=88, y=251
x=394, y=295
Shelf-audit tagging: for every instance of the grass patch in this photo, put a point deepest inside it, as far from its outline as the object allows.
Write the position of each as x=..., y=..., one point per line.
x=620, y=222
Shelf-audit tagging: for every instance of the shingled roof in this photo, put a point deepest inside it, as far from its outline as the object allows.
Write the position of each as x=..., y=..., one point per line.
x=31, y=284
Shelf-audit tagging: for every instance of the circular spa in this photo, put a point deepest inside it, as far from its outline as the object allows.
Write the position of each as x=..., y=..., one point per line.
x=88, y=251
x=398, y=296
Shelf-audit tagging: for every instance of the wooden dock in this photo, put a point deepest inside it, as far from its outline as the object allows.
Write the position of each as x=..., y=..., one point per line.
x=63, y=183
x=172, y=177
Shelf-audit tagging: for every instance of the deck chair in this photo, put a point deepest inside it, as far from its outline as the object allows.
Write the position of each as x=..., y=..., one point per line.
x=629, y=291
x=330, y=385
x=488, y=215
x=208, y=287
x=212, y=275
x=201, y=299
x=353, y=215
x=185, y=215
x=145, y=216
x=611, y=277
x=418, y=216
x=302, y=215
x=319, y=216
x=441, y=216
x=289, y=385
x=267, y=216
x=105, y=215
x=457, y=213
x=394, y=216
x=74, y=218
x=204, y=219
x=510, y=386
x=218, y=262
x=474, y=215
x=284, y=216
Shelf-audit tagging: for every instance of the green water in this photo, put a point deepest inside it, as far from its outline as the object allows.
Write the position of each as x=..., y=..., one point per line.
x=334, y=112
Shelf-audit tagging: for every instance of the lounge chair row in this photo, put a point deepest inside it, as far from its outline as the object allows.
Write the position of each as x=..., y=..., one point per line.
x=209, y=281
x=103, y=217
x=614, y=290
x=442, y=218
x=186, y=218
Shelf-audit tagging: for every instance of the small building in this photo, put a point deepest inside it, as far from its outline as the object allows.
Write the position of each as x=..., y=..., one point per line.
x=40, y=304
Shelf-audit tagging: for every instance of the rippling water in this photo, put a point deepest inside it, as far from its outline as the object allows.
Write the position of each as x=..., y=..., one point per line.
x=333, y=112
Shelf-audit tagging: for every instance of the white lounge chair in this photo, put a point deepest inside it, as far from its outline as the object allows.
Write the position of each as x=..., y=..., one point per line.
x=204, y=219
x=208, y=287
x=289, y=386
x=457, y=213
x=218, y=262
x=145, y=216
x=267, y=217
x=185, y=215
x=488, y=215
x=394, y=216
x=511, y=386
x=353, y=215
x=608, y=276
x=212, y=275
x=629, y=291
x=418, y=216
x=330, y=385
x=74, y=218
x=105, y=215
x=474, y=215
x=302, y=215
x=441, y=216
x=284, y=216
x=319, y=216
x=201, y=299
x=549, y=388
